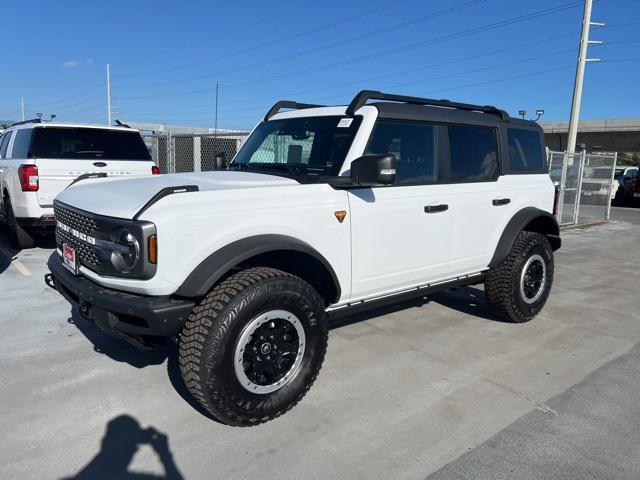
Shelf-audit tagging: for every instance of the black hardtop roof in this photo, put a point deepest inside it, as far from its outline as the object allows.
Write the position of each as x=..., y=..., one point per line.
x=418, y=108
x=403, y=111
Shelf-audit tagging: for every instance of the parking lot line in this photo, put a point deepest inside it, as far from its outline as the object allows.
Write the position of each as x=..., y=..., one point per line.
x=21, y=267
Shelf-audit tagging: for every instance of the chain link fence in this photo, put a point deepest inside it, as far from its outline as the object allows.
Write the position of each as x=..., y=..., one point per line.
x=585, y=181
x=191, y=152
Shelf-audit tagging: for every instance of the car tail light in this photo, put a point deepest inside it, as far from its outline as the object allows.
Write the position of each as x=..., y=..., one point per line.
x=634, y=183
x=155, y=170
x=28, y=178
x=556, y=200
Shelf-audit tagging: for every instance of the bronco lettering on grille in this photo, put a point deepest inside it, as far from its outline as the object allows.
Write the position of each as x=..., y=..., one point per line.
x=75, y=233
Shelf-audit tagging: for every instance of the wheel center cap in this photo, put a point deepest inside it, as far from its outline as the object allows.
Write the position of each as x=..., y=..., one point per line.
x=265, y=348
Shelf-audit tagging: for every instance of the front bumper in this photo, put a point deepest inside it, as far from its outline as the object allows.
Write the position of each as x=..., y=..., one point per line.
x=118, y=313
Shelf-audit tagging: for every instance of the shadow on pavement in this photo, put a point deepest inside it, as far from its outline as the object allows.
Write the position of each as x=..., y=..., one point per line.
x=122, y=439
x=114, y=348
x=469, y=300
x=121, y=351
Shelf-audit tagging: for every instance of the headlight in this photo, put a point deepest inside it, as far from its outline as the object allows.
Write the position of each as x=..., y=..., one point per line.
x=126, y=258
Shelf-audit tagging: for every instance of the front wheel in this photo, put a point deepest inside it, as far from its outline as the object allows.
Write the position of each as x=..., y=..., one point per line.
x=518, y=288
x=252, y=348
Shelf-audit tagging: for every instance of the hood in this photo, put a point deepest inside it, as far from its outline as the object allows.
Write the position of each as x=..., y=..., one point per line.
x=122, y=198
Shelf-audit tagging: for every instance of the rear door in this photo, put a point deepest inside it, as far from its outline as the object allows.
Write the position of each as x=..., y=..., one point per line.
x=481, y=202
x=401, y=234
x=64, y=153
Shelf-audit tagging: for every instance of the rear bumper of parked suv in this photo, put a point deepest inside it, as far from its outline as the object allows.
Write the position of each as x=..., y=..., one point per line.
x=124, y=315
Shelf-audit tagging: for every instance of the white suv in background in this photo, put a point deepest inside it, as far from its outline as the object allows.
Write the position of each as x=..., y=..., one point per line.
x=38, y=160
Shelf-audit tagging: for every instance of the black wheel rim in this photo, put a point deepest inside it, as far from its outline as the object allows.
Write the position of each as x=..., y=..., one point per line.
x=533, y=278
x=269, y=351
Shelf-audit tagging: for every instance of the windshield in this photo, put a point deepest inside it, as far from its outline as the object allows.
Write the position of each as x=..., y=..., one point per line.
x=88, y=143
x=299, y=146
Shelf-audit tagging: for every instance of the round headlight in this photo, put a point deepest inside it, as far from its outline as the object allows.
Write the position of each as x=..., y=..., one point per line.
x=126, y=259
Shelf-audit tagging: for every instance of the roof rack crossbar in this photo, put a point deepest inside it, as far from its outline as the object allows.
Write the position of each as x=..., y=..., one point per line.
x=288, y=104
x=365, y=95
x=24, y=122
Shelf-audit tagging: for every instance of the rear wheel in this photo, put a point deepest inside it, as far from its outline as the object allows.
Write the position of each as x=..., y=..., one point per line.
x=252, y=348
x=18, y=236
x=518, y=288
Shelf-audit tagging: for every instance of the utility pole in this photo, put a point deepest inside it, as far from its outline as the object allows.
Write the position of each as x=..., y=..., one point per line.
x=22, y=107
x=108, y=94
x=577, y=87
x=215, y=125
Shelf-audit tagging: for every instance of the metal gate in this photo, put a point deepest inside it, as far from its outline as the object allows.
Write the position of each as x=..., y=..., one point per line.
x=585, y=181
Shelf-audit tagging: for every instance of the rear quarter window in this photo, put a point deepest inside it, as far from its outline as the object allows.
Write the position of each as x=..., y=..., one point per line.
x=525, y=151
x=21, y=144
x=474, y=153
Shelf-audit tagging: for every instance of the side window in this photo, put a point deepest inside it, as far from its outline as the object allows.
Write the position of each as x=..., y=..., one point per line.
x=21, y=143
x=5, y=144
x=414, y=145
x=474, y=153
x=525, y=151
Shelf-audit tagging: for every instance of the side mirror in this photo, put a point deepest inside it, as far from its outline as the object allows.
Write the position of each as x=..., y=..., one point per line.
x=220, y=161
x=373, y=170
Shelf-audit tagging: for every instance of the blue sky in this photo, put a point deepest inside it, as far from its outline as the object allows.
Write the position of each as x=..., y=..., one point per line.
x=166, y=57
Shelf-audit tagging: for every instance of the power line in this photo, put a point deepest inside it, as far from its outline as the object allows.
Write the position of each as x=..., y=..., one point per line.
x=405, y=72
x=72, y=97
x=320, y=48
x=65, y=107
x=385, y=87
x=273, y=98
x=392, y=51
x=319, y=28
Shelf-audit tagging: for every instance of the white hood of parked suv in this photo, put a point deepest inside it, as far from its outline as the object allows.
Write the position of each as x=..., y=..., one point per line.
x=122, y=198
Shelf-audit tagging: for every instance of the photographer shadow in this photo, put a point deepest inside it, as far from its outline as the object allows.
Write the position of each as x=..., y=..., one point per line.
x=122, y=440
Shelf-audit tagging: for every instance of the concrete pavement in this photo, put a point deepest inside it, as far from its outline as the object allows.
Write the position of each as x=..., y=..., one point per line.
x=403, y=393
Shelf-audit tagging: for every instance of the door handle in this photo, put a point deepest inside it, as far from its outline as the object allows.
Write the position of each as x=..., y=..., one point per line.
x=501, y=201
x=435, y=208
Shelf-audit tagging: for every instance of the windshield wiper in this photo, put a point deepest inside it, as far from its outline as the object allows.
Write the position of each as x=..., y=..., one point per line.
x=280, y=166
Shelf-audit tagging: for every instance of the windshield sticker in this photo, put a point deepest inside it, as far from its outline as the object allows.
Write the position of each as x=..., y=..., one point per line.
x=345, y=122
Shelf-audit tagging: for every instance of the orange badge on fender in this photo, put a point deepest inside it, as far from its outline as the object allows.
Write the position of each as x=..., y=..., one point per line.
x=340, y=215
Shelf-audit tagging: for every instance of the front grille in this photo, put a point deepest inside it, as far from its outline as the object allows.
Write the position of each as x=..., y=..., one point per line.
x=75, y=220
x=87, y=254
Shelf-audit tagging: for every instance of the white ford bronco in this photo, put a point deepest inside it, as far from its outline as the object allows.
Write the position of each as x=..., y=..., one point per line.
x=323, y=211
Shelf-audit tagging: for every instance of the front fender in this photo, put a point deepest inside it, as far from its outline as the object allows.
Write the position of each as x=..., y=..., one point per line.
x=216, y=265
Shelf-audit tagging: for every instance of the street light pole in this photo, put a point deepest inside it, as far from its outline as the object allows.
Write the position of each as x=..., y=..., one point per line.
x=577, y=87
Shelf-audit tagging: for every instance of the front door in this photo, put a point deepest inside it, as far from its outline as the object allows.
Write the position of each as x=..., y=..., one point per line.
x=401, y=234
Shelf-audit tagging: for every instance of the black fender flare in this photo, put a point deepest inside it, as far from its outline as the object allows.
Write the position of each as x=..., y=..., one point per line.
x=517, y=224
x=216, y=265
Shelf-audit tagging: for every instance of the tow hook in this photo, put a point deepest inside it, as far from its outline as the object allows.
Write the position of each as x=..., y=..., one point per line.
x=50, y=281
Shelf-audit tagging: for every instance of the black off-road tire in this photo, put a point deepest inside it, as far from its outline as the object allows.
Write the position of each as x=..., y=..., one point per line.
x=209, y=337
x=18, y=236
x=502, y=286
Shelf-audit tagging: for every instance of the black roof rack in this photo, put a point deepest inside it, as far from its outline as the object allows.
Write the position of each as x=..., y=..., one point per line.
x=288, y=104
x=24, y=122
x=365, y=95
